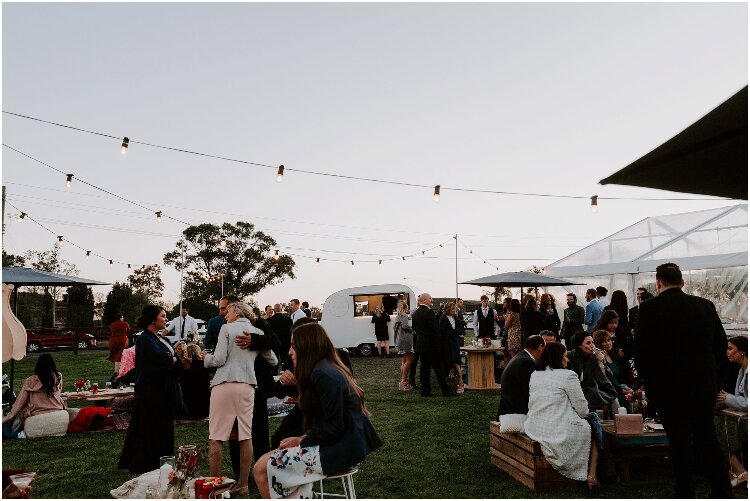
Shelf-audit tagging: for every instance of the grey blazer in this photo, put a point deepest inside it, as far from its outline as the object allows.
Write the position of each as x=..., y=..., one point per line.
x=235, y=364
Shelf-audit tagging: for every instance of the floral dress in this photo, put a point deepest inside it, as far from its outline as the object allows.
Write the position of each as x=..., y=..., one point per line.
x=514, y=332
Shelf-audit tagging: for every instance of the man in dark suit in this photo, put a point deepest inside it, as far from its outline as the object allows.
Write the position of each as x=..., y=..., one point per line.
x=282, y=326
x=515, y=380
x=573, y=318
x=428, y=346
x=678, y=349
x=635, y=310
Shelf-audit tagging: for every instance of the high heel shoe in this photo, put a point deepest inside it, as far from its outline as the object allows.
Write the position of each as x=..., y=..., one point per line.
x=591, y=482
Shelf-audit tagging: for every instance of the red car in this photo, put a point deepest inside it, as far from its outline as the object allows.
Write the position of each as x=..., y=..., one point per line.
x=37, y=339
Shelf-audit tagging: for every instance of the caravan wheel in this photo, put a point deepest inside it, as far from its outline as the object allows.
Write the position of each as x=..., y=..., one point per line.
x=365, y=349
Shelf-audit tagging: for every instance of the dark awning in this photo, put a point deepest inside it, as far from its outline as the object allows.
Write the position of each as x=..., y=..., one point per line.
x=709, y=157
x=520, y=279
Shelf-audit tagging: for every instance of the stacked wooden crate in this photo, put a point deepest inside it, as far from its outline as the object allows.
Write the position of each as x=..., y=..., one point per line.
x=522, y=458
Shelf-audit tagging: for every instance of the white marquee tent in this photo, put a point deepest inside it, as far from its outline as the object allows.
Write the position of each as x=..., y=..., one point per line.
x=710, y=246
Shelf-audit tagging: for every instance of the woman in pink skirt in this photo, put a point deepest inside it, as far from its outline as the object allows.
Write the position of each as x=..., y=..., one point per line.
x=233, y=390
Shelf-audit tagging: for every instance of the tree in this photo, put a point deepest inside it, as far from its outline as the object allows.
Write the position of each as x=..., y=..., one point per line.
x=147, y=280
x=198, y=309
x=80, y=306
x=50, y=261
x=117, y=299
x=245, y=260
x=13, y=260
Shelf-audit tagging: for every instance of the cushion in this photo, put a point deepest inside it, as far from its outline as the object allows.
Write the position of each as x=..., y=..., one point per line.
x=49, y=424
x=512, y=423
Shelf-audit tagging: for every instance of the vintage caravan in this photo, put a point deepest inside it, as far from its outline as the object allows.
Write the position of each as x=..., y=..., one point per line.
x=347, y=314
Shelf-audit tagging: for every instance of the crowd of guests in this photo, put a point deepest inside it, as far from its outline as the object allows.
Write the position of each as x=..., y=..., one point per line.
x=328, y=430
x=557, y=394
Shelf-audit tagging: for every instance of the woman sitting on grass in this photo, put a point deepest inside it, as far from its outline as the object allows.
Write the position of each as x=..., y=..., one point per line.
x=557, y=417
x=40, y=394
x=339, y=433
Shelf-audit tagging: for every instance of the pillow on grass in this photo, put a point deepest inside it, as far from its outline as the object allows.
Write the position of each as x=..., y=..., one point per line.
x=512, y=423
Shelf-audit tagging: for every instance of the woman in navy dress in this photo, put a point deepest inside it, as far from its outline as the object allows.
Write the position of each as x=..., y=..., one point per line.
x=151, y=429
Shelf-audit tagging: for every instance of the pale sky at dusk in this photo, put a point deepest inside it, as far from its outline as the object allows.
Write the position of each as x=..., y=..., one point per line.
x=543, y=98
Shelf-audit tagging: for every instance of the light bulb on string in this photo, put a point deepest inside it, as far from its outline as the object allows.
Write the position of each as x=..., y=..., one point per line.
x=280, y=174
x=436, y=195
x=88, y=254
x=276, y=256
x=21, y=217
x=380, y=261
x=317, y=259
x=352, y=263
x=110, y=263
x=158, y=216
x=403, y=258
x=128, y=265
x=594, y=203
x=124, y=147
x=68, y=180
x=60, y=240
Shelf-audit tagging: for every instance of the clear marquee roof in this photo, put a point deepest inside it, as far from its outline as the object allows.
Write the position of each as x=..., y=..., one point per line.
x=715, y=238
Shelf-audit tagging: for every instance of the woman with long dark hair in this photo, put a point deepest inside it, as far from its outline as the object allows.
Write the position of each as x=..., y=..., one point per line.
x=622, y=336
x=550, y=318
x=735, y=436
x=513, y=327
x=338, y=431
x=584, y=361
x=40, y=394
x=558, y=416
x=151, y=429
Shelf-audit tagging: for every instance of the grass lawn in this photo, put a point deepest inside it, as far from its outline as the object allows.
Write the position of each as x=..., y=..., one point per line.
x=434, y=447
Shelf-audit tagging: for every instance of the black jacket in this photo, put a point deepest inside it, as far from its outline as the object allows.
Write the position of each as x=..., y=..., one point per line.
x=336, y=421
x=515, y=385
x=596, y=387
x=263, y=371
x=679, y=346
x=282, y=326
x=425, y=325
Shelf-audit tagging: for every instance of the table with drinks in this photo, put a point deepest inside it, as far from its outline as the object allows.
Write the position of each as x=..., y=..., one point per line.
x=652, y=441
x=97, y=394
x=480, y=359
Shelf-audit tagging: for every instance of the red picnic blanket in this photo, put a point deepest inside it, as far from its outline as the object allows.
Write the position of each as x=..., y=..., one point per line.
x=90, y=418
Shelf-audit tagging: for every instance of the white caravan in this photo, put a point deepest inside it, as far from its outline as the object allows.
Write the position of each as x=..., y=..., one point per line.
x=347, y=314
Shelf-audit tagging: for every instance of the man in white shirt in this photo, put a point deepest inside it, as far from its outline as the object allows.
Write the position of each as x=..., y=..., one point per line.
x=297, y=312
x=184, y=327
x=484, y=319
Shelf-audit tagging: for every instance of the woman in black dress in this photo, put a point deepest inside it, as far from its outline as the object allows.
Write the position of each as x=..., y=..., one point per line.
x=381, y=319
x=450, y=335
x=549, y=314
x=195, y=382
x=151, y=430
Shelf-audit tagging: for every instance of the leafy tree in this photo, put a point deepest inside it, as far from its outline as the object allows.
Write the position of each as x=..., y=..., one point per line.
x=316, y=312
x=117, y=299
x=198, y=309
x=13, y=260
x=246, y=260
x=80, y=306
x=147, y=280
x=50, y=261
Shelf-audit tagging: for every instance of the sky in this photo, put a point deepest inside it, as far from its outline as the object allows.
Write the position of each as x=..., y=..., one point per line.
x=532, y=98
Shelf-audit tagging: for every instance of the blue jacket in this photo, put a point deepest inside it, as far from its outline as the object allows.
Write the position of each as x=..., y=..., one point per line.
x=153, y=361
x=213, y=326
x=336, y=422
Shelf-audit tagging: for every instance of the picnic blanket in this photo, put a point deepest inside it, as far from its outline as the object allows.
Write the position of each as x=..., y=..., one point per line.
x=90, y=418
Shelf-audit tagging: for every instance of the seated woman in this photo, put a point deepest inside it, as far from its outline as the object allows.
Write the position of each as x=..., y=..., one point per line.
x=233, y=390
x=195, y=382
x=614, y=365
x=557, y=417
x=584, y=361
x=736, y=353
x=339, y=433
x=40, y=394
x=127, y=368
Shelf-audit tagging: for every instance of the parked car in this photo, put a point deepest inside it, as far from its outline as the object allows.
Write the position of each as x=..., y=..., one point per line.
x=39, y=339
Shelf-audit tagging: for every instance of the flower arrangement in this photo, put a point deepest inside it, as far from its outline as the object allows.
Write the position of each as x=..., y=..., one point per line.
x=188, y=459
x=82, y=385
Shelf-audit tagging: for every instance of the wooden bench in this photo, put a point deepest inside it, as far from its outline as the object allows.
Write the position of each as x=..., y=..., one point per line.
x=522, y=458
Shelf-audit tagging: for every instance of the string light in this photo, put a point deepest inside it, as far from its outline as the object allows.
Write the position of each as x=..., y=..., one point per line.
x=22, y=217
x=403, y=258
x=352, y=263
x=380, y=261
x=223, y=243
x=88, y=254
x=68, y=180
x=436, y=196
x=276, y=256
x=110, y=263
x=594, y=204
x=317, y=259
x=280, y=174
x=60, y=240
x=128, y=265
x=279, y=177
x=158, y=216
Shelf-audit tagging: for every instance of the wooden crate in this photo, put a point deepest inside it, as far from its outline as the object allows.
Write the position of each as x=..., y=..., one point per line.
x=522, y=458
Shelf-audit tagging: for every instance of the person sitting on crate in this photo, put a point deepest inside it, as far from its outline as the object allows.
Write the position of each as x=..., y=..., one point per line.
x=514, y=400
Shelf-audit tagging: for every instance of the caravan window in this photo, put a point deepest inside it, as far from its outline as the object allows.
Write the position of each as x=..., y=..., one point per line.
x=365, y=304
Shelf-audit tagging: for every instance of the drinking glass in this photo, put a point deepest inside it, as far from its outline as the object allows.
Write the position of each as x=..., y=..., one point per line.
x=94, y=387
x=23, y=482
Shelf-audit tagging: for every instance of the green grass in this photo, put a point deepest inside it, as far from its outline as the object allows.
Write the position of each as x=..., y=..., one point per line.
x=433, y=447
